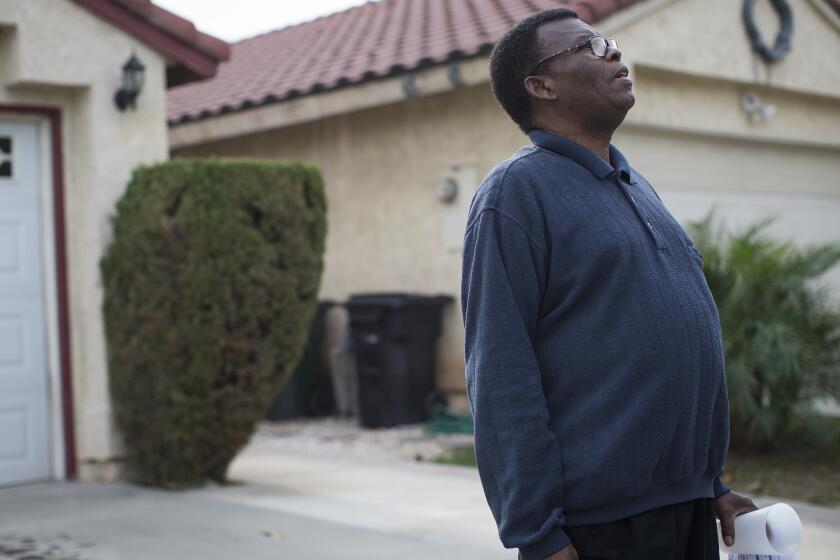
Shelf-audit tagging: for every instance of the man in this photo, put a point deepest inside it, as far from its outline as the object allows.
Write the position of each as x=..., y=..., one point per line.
x=594, y=356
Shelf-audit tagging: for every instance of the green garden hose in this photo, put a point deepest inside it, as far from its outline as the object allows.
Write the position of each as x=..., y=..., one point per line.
x=444, y=421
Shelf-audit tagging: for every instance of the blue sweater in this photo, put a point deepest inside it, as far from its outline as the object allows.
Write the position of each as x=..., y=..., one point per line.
x=594, y=354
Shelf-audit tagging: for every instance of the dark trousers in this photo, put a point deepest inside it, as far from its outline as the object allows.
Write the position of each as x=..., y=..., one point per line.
x=685, y=531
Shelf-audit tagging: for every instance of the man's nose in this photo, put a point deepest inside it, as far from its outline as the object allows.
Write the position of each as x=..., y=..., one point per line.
x=613, y=54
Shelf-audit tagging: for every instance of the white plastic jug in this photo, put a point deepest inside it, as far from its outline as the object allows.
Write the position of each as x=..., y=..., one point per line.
x=774, y=531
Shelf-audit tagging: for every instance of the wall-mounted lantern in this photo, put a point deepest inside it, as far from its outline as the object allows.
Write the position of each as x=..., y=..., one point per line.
x=132, y=83
x=455, y=190
x=448, y=190
x=755, y=107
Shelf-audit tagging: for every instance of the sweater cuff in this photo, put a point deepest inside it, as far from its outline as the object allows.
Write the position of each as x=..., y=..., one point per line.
x=555, y=541
x=720, y=488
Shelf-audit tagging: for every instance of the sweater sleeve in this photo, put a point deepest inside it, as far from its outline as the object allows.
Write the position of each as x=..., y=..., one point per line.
x=720, y=488
x=517, y=454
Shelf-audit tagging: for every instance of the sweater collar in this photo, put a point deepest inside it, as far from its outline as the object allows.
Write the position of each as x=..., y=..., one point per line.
x=581, y=155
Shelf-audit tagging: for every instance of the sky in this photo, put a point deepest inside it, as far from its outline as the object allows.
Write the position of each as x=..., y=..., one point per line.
x=233, y=20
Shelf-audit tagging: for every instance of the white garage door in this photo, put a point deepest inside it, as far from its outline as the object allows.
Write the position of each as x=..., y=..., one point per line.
x=24, y=414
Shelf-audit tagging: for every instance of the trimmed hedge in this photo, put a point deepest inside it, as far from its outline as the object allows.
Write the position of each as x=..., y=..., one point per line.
x=210, y=282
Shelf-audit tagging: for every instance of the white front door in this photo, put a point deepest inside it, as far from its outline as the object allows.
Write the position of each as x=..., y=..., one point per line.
x=24, y=411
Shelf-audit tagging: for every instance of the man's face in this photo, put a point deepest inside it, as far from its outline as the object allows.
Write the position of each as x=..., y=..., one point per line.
x=584, y=83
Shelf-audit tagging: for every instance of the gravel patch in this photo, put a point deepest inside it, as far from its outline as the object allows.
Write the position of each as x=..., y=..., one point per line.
x=337, y=436
x=43, y=547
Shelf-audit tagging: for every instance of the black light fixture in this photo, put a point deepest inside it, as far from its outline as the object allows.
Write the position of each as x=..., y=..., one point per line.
x=132, y=83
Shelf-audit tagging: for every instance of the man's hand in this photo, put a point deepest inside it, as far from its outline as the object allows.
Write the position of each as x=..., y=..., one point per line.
x=568, y=552
x=728, y=506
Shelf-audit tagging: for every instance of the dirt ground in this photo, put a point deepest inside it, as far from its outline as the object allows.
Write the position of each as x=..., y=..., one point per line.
x=343, y=437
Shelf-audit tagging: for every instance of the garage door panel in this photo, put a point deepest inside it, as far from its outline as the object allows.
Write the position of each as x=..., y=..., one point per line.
x=18, y=165
x=803, y=218
x=10, y=247
x=14, y=421
x=13, y=342
x=22, y=359
x=24, y=452
x=20, y=273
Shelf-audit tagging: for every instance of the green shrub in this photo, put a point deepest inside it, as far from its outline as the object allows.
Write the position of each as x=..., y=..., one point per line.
x=781, y=329
x=210, y=282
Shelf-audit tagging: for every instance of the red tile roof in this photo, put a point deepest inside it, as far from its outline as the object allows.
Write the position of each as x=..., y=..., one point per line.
x=195, y=55
x=375, y=40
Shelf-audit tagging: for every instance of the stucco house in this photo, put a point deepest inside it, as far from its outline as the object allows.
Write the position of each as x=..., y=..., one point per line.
x=68, y=144
x=391, y=100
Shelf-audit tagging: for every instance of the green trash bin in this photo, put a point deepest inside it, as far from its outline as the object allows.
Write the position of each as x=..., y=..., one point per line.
x=304, y=393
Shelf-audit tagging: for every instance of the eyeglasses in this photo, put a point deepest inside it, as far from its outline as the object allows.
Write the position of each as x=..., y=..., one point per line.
x=598, y=44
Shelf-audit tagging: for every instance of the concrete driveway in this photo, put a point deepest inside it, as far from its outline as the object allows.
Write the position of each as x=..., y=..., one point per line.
x=116, y=521
x=281, y=506
x=297, y=506
x=426, y=500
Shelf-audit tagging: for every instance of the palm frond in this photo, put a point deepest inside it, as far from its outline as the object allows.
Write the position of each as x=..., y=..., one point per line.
x=781, y=327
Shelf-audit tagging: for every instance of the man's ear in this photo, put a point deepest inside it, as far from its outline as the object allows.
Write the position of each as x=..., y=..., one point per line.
x=541, y=87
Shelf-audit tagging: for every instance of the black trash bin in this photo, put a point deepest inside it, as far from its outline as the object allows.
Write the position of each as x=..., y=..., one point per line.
x=394, y=336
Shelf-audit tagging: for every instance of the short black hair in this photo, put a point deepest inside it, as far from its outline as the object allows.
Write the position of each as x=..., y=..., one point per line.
x=511, y=60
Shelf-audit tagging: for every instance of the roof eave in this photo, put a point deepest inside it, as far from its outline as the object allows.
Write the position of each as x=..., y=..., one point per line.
x=190, y=62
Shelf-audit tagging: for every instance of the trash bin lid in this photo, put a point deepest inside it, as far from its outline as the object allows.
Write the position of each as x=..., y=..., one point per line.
x=398, y=299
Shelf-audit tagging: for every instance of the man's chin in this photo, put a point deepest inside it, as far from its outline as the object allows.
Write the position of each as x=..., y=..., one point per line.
x=624, y=104
x=621, y=108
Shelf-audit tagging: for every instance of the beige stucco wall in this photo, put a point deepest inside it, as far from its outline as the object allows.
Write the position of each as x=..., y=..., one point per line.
x=56, y=54
x=706, y=37
x=691, y=64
